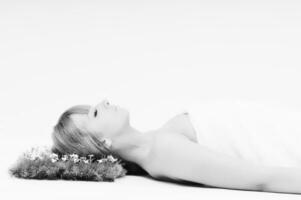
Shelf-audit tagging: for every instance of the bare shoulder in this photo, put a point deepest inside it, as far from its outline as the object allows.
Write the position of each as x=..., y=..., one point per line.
x=176, y=157
x=167, y=153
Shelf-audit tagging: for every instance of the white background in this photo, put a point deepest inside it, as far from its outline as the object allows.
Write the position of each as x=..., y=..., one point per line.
x=151, y=57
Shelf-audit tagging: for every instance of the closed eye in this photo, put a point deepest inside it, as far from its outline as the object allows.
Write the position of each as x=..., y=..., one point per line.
x=95, y=113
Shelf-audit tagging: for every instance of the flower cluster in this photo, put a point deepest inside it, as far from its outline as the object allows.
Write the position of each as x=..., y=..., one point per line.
x=42, y=163
x=42, y=153
x=75, y=158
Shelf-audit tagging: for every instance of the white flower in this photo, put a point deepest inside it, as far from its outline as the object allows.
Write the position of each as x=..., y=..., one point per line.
x=54, y=155
x=111, y=158
x=84, y=159
x=75, y=160
x=74, y=156
x=101, y=160
x=64, y=157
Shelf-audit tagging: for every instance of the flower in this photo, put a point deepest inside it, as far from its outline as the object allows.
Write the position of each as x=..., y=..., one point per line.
x=54, y=155
x=111, y=158
x=45, y=153
x=101, y=160
x=74, y=156
x=84, y=159
x=64, y=158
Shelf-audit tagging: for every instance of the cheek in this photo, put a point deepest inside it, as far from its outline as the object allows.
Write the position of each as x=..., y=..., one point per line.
x=93, y=128
x=120, y=120
x=96, y=126
x=113, y=122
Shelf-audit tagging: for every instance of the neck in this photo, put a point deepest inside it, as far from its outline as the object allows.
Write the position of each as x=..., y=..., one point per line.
x=132, y=145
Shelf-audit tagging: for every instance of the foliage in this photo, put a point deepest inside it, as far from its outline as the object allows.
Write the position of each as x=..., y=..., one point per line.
x=41, y=163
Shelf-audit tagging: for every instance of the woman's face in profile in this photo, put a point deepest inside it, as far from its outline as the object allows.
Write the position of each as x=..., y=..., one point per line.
x=104, y=119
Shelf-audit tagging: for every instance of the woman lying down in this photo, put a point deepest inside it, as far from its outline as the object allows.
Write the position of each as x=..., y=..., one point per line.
x=234, y=145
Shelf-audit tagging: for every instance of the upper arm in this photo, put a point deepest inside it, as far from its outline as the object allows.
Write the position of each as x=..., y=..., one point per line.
x=193, y=162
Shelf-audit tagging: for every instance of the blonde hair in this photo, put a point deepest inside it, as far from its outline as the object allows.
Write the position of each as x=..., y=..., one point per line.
x=68, y=138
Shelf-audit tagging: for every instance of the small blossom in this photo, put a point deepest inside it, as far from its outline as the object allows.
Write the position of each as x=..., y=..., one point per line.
x=74, y=156
x=53, y=155
x=111, y=158
x=83, y=159
x=54, y=160
x=64, y=158
x=101, y=160
x=75, y=160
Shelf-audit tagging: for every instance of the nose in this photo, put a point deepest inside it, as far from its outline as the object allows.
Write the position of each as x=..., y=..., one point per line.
x=105, y=103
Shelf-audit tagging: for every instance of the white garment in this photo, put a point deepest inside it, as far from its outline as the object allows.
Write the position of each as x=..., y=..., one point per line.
x=255, y=132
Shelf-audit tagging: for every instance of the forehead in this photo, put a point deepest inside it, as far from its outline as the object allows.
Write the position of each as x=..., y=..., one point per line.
x=80, y=120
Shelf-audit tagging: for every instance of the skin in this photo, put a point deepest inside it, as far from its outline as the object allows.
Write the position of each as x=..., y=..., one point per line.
x=111, y=122
x=163, y=153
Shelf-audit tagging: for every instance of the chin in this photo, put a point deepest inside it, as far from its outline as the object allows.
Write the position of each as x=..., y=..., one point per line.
x=124, y=110
x=125, y=115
